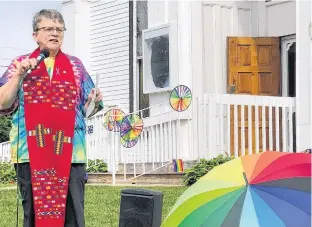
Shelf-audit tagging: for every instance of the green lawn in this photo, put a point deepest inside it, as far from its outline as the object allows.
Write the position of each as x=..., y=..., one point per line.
x=101, y=205
x=7, y=185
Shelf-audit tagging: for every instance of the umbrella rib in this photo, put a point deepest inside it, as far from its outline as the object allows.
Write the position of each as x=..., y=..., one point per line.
x=225, y=203
x=280, y=199
x=245, y=178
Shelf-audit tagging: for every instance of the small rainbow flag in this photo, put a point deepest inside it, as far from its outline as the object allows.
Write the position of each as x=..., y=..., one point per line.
x=178, y=166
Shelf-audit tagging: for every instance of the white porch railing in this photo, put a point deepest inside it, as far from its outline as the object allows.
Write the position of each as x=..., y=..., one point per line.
x=214, y=124
x=5, y=152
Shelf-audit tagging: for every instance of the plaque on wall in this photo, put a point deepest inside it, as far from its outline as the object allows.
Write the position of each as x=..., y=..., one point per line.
x=160, y=54
x=160, y=61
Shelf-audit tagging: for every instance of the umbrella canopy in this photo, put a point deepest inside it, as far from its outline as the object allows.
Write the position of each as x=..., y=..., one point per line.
x=270, y=189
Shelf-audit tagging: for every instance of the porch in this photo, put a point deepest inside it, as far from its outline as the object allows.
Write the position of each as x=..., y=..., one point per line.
x=214, y=124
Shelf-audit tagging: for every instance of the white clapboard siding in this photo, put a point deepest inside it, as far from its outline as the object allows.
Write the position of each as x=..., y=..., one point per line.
x=111, y=41
x=114, y=46
x=109, y=50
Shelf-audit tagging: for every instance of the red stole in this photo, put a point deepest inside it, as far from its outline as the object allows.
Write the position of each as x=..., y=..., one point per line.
x=50, y=122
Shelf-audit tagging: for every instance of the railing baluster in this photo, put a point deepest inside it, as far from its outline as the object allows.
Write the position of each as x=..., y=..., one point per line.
x=228, y=118
x=162, y=139
x=263, y=127
x=221, y=135
x=290, y=127
x=270, y=128
x=210, y=122
x=190, y=133
x=153, y=146
x=256, y=129
x=235, y=131
x=250, y=144
x=284, y=128
x=170, y=136
x=243, y=130
x=277, y=127
x=204, y=129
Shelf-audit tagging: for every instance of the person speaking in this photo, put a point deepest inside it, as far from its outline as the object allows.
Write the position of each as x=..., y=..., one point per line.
x=48, y=92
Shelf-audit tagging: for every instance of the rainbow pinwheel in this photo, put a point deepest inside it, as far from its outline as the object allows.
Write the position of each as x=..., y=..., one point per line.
x=131, y=127
x=271, y=189
x=130, y=143
x=112, y=119
x=180, y=98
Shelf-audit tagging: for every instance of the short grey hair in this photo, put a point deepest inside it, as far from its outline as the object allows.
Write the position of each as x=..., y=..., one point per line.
x=49, y=14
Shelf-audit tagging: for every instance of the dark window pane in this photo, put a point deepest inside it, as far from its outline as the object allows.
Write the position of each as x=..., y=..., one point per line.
x=160, y=61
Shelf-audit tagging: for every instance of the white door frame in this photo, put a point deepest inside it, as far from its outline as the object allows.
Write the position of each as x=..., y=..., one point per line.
x=286, y=43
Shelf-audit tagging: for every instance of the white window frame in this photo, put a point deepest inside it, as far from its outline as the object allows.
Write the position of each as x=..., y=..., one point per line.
x=169, y=29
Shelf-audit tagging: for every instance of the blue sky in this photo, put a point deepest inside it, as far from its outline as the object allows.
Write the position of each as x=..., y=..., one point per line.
x=16, y=27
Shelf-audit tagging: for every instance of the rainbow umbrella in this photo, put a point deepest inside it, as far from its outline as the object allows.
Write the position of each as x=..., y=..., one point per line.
x=271, y=189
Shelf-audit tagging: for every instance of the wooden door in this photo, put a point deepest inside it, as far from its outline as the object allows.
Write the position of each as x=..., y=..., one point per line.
x=253, y=69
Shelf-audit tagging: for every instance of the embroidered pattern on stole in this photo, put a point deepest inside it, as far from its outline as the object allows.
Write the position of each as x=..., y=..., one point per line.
x=39, y=132
x=36, y=89
x=59, y=139
x=48, y=192
x=65, y=95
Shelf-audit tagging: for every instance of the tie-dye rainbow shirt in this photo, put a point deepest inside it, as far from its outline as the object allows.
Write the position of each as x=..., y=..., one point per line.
x=85, y=84
x=49, y=63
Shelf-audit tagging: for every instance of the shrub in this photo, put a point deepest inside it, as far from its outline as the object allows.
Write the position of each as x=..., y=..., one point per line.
x=97, y=166
x=7, y=173
x=5, y=127
x=204, y=166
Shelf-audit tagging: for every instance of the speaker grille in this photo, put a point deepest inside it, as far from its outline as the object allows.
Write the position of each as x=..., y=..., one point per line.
x=140, y=208
x=133, y=223
x=141, y=204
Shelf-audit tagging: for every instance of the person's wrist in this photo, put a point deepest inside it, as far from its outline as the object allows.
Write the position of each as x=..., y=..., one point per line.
x=17, y=77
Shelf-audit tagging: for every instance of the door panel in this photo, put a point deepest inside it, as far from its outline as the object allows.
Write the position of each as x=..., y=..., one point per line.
x=253, y=69
x=254, y=65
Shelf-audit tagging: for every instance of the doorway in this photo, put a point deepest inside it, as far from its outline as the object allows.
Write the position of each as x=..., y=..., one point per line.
x=292, y=70
x=288, y=62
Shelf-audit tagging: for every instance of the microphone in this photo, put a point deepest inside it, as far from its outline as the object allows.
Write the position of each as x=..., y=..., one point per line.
x=43, y=54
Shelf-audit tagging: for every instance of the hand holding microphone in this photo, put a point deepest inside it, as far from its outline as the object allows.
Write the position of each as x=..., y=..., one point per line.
x=26, y=66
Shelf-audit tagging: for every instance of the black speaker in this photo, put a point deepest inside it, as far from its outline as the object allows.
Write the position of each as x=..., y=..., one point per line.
x=140, y=208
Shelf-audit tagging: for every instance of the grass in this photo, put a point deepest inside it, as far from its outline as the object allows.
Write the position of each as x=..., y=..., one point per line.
x=101, y=205
x=7, y=185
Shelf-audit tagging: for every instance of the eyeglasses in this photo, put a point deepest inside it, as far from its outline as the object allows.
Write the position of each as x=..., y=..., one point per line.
x=50, y=30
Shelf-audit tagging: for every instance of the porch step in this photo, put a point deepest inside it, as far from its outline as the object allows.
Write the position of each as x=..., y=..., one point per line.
x=146, y=179
x=149, y=167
